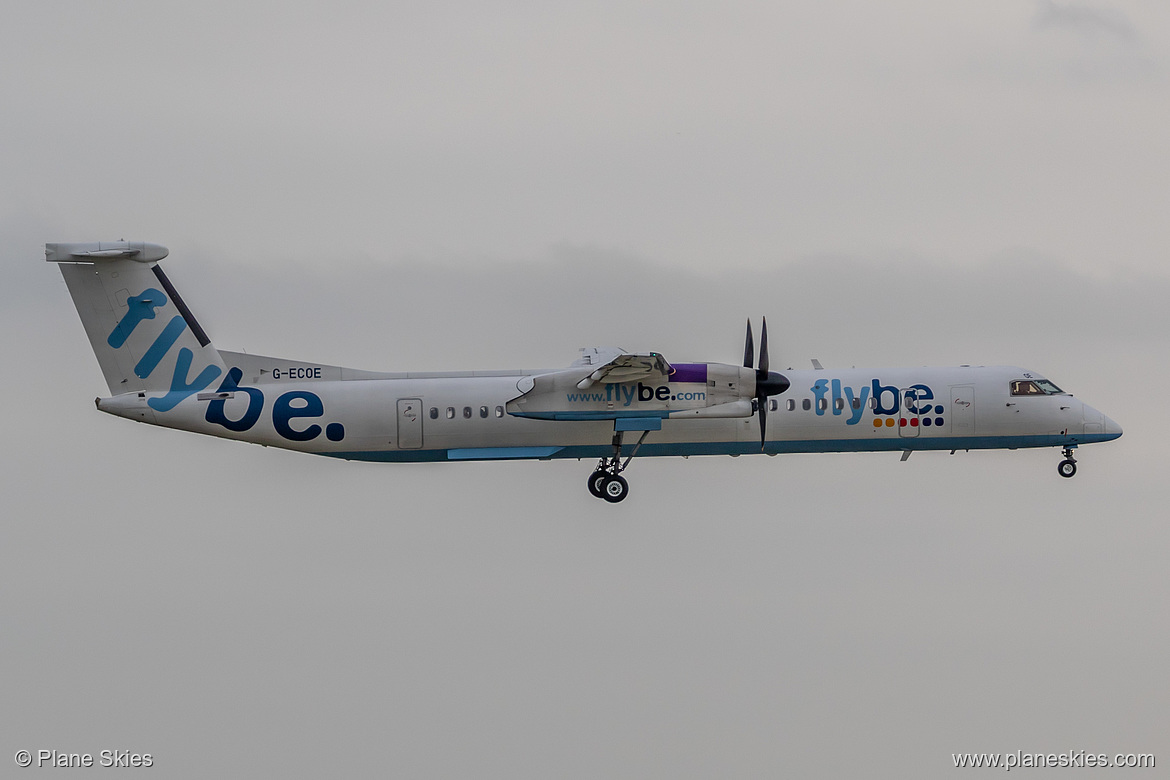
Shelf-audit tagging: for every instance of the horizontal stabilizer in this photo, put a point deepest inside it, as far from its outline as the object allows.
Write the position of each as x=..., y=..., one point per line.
x=105, y=250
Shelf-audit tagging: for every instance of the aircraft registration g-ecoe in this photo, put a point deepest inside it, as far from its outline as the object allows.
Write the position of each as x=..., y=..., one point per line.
x=162, y=369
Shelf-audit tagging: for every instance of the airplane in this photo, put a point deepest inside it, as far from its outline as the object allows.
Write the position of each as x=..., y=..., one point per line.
x=162, y=369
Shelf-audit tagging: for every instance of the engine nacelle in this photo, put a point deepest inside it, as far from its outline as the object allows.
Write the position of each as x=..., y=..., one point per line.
x=689, y=390
x=726, y=383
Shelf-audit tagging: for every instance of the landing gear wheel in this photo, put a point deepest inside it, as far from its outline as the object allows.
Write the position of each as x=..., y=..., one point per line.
x=596, y=479
x=1067, y=468
x=614, y=488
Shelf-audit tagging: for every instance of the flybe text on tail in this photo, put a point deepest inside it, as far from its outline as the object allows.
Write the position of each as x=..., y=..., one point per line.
x=287, y=408
x=141, y=308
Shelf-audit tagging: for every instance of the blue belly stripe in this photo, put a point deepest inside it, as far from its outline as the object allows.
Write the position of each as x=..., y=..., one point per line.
x=501, y=453
x=667, y=449
x=637, y=424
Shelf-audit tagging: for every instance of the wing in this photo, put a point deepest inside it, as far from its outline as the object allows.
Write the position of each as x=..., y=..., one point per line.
x=616, y=365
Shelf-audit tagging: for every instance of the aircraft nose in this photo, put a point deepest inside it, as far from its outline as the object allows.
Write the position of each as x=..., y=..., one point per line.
x=1099, y=426
x=1112, y=428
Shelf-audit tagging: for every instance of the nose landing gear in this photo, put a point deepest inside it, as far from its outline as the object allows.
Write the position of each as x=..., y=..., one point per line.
x=1067, y=467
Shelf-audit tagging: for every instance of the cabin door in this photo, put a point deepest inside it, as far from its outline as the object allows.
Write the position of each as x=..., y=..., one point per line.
x=962, y=411
x=410, y=423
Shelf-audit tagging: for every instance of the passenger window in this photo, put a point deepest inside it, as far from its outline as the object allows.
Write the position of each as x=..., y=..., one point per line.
x=450, y=412
x=856, y=403
x=499, y=411
x=434, y=412
x=839, y=404
x=873, y=402
x=467, y=413
x=806, y=404
x=822, y=404
x=483, y=411
x=773, y=406
x=791, y=404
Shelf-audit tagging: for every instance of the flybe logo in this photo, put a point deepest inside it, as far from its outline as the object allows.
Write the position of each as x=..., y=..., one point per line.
x=290, y=406
x=626, y=394
x=293, y=405
x=886, y=402
x=142, y=307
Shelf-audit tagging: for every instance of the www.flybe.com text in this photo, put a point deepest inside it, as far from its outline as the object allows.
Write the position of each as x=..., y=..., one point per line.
x=626, y=395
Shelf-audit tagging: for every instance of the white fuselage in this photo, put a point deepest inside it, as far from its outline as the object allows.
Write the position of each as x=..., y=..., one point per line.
x=363, y=416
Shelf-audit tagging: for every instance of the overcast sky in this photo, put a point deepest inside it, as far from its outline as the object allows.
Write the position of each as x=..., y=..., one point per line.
x=448, y=185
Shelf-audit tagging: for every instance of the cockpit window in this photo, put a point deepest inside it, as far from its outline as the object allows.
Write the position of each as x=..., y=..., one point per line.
x=1025, y=387
x=1034, y=387
x=1047, y=387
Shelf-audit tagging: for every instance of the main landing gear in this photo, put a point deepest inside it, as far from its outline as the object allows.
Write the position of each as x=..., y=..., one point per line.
x=606, y=480
x=1068, y=466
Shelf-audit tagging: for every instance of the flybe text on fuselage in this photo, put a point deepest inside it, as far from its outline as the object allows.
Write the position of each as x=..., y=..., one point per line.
x=292, y=405
x=829, y=396
x=627, y=393
x=887, y=400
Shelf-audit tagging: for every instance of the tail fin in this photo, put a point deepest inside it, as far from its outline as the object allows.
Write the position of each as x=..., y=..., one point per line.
x=145, y=338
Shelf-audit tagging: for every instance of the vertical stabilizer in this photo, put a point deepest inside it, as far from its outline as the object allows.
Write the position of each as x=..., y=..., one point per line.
x=145, y=338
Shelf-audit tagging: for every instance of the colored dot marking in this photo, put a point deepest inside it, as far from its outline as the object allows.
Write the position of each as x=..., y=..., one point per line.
x=938, y=421
x=914, y=422
x=890, y=422
x=902, y=422
x=877, y=423
x=938, y=410
x=926, y=421
x=334, y=431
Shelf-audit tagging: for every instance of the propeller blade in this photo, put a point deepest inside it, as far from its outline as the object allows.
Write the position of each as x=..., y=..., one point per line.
x=749, y=348
x=763, y=405
x=767, y=382
x=763, y=368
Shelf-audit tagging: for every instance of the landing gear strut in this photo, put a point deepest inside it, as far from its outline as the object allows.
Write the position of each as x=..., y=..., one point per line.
x=606, y=480
x=1068, y=466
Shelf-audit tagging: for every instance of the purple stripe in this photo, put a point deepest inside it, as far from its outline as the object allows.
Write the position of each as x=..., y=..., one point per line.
x=688, y=372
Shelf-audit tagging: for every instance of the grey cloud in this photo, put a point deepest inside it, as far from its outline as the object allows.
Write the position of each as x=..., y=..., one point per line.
x=1084, y=19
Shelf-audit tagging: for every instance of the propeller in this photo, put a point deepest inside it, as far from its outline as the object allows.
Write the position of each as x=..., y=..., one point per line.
x=767, y=382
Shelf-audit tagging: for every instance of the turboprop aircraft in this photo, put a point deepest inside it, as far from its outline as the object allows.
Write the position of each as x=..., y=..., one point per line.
x=162, y=369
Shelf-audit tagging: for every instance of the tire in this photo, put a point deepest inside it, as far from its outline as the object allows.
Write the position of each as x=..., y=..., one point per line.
x=595, y=483
x=614, y=488
x=1067, y=468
